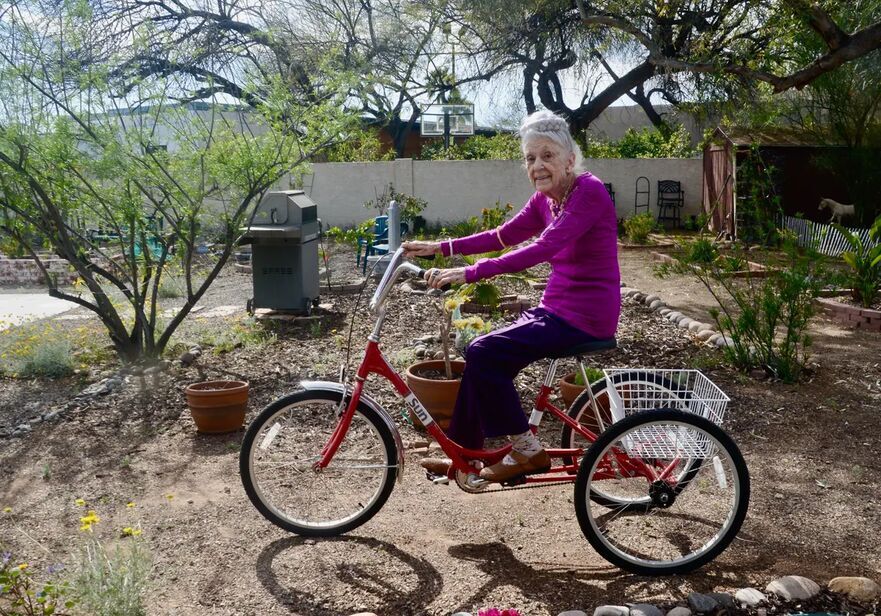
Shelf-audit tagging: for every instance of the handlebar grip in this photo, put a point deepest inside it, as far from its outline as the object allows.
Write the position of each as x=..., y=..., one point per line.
x=422, y=273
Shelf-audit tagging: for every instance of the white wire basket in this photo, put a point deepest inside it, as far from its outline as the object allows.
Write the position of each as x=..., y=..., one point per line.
x=634, y=390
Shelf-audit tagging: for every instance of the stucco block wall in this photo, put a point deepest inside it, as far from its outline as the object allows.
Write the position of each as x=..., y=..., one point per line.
x=456, y=190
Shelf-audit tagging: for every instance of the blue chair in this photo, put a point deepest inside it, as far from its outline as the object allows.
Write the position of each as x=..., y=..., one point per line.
x=379, y=245
x=380, y=227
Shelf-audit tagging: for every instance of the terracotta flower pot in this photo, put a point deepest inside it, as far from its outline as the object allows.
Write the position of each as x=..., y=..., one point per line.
x=568, y=389
x=218, y=406
x=438, y=396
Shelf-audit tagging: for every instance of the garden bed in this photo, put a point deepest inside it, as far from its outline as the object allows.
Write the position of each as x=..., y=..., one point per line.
x=754, y=270
x=840, y=309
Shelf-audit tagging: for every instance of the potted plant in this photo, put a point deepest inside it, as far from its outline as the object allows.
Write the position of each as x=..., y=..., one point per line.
x=218, y=406
x=572, y=384
x=436, y=382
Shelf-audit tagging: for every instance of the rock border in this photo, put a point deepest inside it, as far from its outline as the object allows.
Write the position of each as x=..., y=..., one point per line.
x=705, y=332
x=850, y=315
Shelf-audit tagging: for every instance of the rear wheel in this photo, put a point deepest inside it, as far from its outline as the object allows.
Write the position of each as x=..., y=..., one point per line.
x=582, y=411
x=678, y=531
x=284, y=442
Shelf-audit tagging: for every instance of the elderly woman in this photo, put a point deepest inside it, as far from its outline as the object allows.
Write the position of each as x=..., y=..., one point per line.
x=573, y=216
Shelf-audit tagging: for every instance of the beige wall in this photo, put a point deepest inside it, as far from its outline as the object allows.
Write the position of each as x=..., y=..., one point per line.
x=456, y=190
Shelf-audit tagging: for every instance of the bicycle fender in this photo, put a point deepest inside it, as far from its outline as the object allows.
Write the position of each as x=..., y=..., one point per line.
x=373, y=404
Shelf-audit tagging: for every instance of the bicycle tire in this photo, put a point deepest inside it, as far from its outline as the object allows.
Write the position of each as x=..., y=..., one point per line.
x=624, y=538
x=582, y=405
x=310, y=421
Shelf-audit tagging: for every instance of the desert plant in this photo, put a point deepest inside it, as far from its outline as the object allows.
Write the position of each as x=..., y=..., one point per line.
x=765, y=318
x=22, y=594
x=701, y=251
x=865, y=264
x=637, y=228
x=411, y=206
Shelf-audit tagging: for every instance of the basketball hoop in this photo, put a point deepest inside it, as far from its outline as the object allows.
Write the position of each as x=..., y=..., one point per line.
x=439, y=120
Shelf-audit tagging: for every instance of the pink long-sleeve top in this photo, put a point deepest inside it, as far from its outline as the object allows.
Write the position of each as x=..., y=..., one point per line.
x=580, y=244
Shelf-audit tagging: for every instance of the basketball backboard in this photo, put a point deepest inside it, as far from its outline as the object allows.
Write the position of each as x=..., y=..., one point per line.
x=460, y=118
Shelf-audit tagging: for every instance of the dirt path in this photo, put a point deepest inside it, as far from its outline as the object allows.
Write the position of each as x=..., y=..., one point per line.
x=812, y=450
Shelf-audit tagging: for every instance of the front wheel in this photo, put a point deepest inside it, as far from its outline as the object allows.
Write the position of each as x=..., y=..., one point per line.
x=680, y=530
x=284, y=442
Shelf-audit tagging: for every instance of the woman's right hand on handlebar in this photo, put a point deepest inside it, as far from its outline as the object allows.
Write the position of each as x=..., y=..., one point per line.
x=421, y=249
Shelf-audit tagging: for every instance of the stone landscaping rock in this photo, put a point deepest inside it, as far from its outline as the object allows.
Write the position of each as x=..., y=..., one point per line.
x=657, y=304
x=572, y=613
x=725, y=600
x=645, y=609
x=794, y=588
x=706, y=334
x=750, y=597
x=23, y=428
x=695, y=326
x=652, y=298
x=702, y=604
x=684, y=323
x=364, y=614
x=638, y=296
x=724, y=341
x=706, y=327
x=612, y=610
x=859, y=589
x=679, y=611
x=664, y=312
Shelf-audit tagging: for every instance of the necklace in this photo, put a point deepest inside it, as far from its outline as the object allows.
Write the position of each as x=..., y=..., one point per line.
x=557, y=206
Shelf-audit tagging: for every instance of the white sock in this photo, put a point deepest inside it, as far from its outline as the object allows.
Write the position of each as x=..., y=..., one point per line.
x=526, y=444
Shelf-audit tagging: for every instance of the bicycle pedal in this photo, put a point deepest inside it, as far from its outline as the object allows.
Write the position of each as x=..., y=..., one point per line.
x=438, y=480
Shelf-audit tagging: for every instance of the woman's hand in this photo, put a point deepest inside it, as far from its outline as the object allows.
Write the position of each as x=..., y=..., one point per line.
x=421, y=249
x=438, y=278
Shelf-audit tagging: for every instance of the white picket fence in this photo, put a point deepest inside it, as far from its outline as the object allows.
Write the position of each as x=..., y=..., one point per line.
x=824, y=238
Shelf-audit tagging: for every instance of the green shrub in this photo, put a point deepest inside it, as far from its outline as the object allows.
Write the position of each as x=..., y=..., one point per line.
x=701, y=251
x=637, y=228
x=766, y=318
x=411, y=206
x=504, y=146
x=112, y=582
x=865, y=264
x=593, y=375
x=643, y=143
x=243, y=333
x=351, y=236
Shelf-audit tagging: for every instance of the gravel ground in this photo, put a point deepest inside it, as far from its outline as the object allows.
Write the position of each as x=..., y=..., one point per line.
x=811, y=449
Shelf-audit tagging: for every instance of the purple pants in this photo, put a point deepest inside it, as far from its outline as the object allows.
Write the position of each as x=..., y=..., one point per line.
x=488, y=404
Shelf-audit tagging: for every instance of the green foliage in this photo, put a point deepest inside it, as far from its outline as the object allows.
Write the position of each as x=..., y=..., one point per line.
x=22, y=595
x=593, y=375
x=865, y=265
x=766, y=318
x=237, y=333
x=758, y=201
x=503, y=146
x=490, y=218
x=112, y=582
x=411, y=206
x=637, y=228
x=359, y=145
x=73, y=158
x=643, y=143
x=351, y=236
x=47, y=350
x=701, y=251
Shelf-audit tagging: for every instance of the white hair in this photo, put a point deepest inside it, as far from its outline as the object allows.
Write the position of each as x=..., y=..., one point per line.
x=549, y=125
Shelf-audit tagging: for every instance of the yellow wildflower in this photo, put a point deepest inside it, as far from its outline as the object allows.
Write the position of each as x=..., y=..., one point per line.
x=80, y=502
x=7, y=510
x=22, y=566
x=169, y=496
x=130, y=504
x=86, y=526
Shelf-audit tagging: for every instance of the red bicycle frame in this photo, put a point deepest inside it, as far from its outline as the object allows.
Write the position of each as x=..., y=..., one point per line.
x=374, y=362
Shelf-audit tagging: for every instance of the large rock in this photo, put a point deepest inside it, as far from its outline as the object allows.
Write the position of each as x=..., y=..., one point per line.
x=793, y=588
x=645, y=609
x=651, y=298
x=612, y=610
x=750, y=597
x=656, y=305
x=706, y=334
x=695, y=326
x=685, y=322
x=679, y=611
x=859, y=589
x=573, y=613
x=702, y=604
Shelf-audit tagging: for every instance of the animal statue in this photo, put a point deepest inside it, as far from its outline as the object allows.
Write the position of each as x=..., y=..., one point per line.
x=838, y=210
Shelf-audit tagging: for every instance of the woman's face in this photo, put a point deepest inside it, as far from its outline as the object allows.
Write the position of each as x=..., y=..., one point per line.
x=548, y=166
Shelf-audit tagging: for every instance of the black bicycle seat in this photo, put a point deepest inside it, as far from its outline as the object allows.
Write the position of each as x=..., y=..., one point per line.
x=594, y=346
